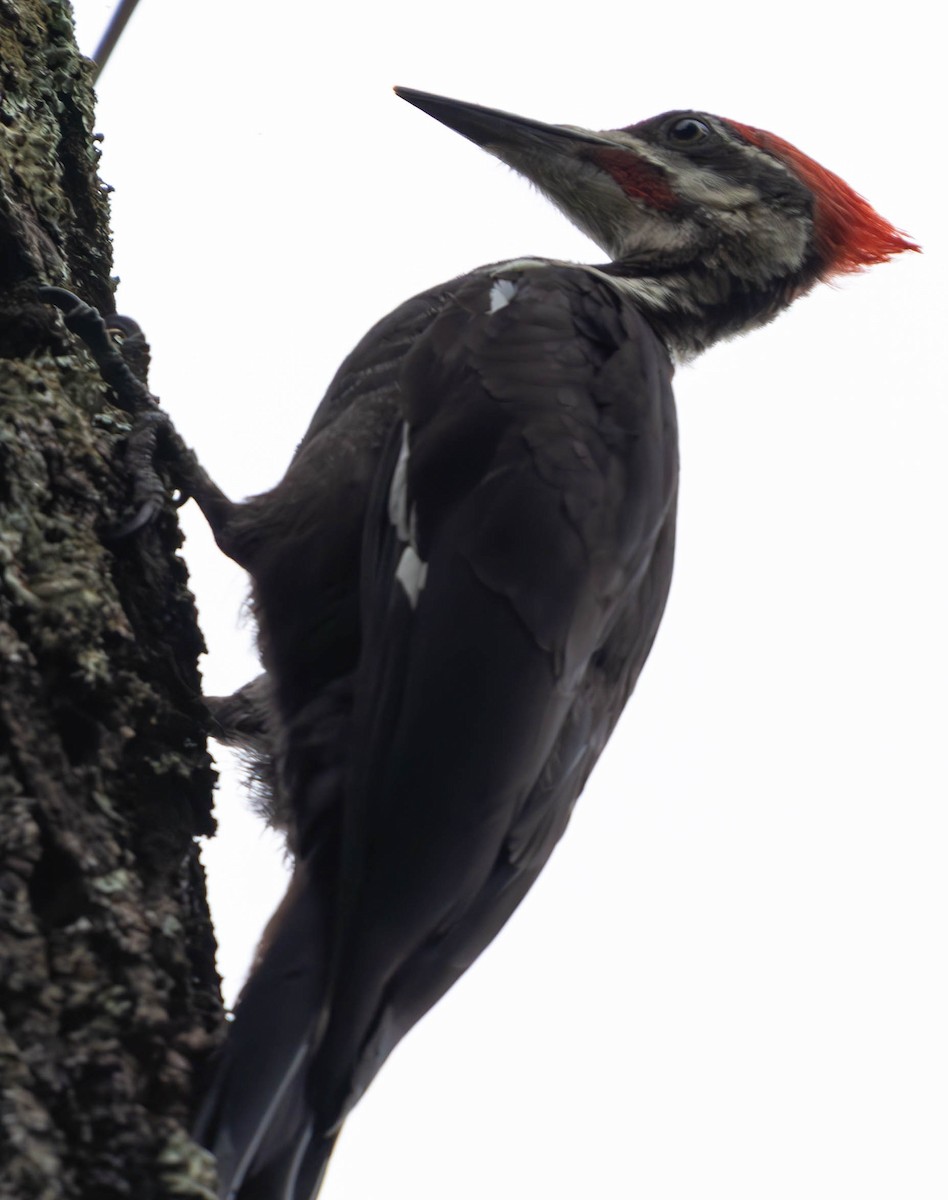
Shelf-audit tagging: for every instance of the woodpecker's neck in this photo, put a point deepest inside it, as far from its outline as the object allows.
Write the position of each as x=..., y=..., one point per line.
x=691, y=306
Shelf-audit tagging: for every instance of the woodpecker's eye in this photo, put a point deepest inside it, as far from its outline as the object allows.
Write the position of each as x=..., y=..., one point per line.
x=688, y=131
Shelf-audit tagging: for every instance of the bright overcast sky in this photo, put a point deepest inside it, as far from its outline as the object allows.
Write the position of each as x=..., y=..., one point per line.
x=731, y=980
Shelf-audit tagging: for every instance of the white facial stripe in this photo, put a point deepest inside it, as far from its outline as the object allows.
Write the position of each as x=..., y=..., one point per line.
x=705, y=186
x=693, y=182
x=755, y=154
x=708, y=188
x=738, y=209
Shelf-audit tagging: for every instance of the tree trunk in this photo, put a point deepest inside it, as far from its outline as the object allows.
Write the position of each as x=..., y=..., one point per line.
x=108, y=994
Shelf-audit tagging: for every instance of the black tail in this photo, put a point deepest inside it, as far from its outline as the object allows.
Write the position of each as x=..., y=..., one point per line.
x=257, y=1116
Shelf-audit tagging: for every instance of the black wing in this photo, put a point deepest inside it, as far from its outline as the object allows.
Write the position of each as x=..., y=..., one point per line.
x=515, y=558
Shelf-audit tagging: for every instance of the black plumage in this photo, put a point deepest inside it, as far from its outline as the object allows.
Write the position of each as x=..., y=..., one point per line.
x=434, y=770
x=458, y=582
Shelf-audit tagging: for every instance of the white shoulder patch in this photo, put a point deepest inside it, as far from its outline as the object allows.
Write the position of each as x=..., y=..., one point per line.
x=501, y=293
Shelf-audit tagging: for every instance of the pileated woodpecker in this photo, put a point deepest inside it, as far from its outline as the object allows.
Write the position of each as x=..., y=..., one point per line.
x=460, y=577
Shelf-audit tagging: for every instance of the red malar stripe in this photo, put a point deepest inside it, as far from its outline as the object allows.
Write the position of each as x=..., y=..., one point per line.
x=637, y=178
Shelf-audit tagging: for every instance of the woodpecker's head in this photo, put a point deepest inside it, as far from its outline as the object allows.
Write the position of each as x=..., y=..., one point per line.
x=712, y=225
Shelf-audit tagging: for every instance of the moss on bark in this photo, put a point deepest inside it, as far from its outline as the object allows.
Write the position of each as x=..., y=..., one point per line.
x=108, y=996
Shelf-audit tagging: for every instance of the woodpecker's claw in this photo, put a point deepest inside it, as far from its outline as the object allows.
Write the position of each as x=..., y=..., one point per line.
x=118, y=533
x=128, y=379
x=122, y=329
x=74, y=310
x=87, y=323
x=149, y=491
x=125, y=370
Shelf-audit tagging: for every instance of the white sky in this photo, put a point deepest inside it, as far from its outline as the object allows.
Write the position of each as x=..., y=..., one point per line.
x=731, y=980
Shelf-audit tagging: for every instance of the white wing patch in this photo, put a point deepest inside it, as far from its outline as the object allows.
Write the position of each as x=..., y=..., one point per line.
x=501, y=293
x=398, y=492
x=411, y=571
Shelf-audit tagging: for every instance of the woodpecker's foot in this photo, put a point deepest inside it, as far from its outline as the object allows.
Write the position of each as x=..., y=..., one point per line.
x=103, y=336
x=149, y=490
x=128, y=336
x=244, y=719
x=244, y=722
x=153, y=438
x=121, y=353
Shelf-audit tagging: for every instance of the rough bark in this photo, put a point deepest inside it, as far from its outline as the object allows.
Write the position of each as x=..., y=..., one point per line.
x=108, y=996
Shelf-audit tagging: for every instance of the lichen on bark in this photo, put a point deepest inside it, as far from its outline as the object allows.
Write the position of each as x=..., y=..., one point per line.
x=109, y=1001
